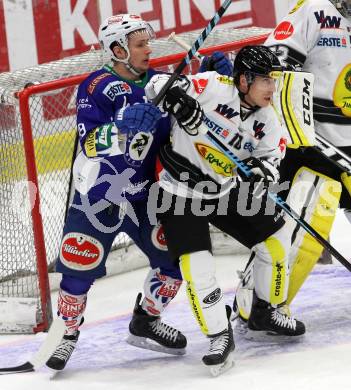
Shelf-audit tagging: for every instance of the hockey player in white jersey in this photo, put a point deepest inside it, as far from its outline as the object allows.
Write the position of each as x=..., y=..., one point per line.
x=316, y=37
x=208, y=188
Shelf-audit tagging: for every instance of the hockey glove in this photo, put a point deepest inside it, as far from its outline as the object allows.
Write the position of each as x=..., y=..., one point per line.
x=186, y=110
x=138, y=117
x=218, y=62
x=263, y=173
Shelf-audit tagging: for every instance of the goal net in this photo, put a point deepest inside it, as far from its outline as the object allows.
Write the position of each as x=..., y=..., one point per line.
x=37, y=144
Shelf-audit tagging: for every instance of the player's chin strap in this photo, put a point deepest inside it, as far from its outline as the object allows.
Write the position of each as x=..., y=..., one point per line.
x=245, y=112
x=132, y=69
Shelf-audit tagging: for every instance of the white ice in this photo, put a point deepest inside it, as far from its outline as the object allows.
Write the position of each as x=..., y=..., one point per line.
x=103, y=360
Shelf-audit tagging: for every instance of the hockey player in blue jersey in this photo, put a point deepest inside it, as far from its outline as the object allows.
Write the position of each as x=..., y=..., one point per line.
x=120, y=135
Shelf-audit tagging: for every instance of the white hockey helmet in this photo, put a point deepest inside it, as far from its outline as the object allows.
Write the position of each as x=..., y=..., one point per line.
x=343, y=6
x=116, y=29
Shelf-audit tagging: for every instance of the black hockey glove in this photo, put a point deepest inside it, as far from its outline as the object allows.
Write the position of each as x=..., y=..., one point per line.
x=186, y=110
x=263, y=173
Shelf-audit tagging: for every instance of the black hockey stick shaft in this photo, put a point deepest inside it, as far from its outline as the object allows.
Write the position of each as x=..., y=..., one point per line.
x=278, y=200
x=192, y=52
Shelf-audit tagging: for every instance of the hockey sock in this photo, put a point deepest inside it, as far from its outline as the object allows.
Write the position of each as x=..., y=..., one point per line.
x=204, y=294
x=159, y=290
x=71, y=309
x=271, y=271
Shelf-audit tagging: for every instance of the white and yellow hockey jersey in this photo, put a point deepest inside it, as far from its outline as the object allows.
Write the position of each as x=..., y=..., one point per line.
x=259, y=135
x=316, y=37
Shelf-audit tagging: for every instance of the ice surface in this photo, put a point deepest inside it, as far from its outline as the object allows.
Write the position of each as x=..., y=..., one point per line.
x=103, y=360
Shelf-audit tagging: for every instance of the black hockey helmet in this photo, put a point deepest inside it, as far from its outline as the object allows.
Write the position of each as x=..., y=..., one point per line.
x=255, y=61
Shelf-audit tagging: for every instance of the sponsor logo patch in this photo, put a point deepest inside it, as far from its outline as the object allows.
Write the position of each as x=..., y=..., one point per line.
x=212, y=125
x=213, y=297
x=158, y=238
x=117, y=88
x=218, y=161
x=138, y=147
x=332, y=41
x=81, y=252
x=96, y=81
x=282, y=144
x=226, y=111
x=348, y=80
x=199, y=85
x=278, y=279
x=226, y=80
x=83, y=104
x=283, y=31
x=327, y=21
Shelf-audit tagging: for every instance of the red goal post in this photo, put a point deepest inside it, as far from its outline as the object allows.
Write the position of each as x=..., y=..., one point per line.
x=37, y=138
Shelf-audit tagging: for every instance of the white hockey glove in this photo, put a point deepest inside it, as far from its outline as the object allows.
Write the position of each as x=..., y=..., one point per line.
x=154, y=86
x=184, y=108
x=263, y=173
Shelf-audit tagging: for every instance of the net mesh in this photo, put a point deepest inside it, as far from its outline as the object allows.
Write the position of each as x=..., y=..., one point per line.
x=52, y=122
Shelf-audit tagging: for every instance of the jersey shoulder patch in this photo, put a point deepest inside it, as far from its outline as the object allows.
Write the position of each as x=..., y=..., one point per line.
x=94, y=81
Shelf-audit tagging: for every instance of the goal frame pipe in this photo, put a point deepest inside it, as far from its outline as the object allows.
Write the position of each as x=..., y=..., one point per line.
x=34, y=198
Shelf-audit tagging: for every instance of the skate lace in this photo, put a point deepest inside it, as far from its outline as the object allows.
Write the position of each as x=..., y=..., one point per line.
x=283, y=320
x=219, y=344
x=164, y=330
x=64, y=350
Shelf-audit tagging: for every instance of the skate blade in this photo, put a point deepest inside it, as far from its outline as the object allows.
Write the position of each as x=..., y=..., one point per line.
x=220, y=369
x=145, y=343
x=266, y=336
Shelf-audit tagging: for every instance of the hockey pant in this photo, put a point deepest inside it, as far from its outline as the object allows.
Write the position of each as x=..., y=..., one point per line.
x=315, y=197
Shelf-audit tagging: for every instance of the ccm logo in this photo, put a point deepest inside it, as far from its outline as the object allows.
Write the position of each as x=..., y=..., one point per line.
x=306, y=102
x=213, y=297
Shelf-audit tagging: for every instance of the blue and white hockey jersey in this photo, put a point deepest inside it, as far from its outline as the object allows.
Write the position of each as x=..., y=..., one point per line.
x=110, y=166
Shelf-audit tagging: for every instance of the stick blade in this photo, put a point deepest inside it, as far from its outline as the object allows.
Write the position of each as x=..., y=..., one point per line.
x=26, y=367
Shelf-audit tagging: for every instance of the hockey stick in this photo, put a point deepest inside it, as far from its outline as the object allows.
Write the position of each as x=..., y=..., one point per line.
x=343, y=161
x=173, y=37
x=278, y=200
x=192, y=51
x=52, y=340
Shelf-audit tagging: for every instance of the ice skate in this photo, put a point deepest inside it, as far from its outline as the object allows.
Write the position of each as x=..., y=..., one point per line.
x=272, y=323
x=219, y=357
x=149, y=332
x=63, y=352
